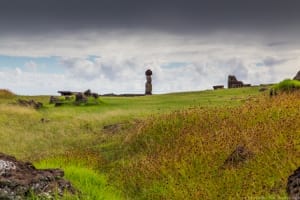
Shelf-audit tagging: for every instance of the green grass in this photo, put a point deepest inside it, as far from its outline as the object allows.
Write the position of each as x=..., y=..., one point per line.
x=170, y=146
x=180, y=155
x=91, y=184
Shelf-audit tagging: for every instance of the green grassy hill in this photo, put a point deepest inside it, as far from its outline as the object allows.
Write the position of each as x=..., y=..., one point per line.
x=170, y=146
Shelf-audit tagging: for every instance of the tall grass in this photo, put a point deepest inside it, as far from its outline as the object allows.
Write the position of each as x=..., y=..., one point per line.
x=181, y=155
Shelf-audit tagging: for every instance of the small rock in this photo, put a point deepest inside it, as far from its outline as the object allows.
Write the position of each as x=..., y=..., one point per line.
x=239, y=155
x=263, y=89
x=293, y=185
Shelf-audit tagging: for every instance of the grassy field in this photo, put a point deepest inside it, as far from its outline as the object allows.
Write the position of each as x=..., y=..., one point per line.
x=169, y=146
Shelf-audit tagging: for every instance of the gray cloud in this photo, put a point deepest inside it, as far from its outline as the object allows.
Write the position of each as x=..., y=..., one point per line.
x=271, y=61
x=191, y=16
x=211, y=38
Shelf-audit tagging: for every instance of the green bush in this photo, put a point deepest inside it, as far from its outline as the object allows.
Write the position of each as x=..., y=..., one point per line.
x=287, y=85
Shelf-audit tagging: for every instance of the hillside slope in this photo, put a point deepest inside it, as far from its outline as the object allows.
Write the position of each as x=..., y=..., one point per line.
x=181, y=155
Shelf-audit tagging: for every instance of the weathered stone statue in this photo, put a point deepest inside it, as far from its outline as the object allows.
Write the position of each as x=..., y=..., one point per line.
x=148, y=86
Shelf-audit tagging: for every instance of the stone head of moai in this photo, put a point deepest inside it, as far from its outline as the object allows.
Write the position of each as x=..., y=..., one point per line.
x=148, y=85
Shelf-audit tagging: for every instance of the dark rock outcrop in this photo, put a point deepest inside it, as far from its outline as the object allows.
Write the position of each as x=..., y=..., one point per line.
x=297, y=77
x=293, y=185
x=19, y=180
x=30, y=103
x=80, y=98
x=87, y=93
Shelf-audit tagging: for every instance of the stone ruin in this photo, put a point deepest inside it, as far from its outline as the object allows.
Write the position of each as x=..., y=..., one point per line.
x=234, y=83
x=80, y=97
x=297, y=77
x=293, y=185
x=148, y=85
x=20, y=180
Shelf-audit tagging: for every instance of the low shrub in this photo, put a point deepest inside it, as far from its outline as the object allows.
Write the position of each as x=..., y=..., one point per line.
x=287, y=85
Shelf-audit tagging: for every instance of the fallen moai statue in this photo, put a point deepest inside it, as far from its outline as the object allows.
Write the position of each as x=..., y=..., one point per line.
x=216, y=87
x=20, y=180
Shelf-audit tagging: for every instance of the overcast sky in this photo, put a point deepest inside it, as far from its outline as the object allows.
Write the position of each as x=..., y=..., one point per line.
x=106, y=45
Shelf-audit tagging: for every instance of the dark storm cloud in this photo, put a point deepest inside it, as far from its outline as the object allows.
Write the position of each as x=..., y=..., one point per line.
x=168, y=15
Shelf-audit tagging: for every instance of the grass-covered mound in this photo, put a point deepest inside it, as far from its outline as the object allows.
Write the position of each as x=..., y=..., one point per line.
x=181, y=155
x=4, y=93
x=287, y=85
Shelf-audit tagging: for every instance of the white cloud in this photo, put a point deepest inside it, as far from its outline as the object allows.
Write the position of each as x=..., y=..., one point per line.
x=120, y=59
x=31, y=66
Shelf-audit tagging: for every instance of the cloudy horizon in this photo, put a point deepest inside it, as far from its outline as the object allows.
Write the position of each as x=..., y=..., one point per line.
x=106, y=46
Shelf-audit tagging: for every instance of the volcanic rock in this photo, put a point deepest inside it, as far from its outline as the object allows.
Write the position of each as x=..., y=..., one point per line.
x=293, y=185
x=80, y=98
x=30, y=103
x=297, y=77
x=19, y=180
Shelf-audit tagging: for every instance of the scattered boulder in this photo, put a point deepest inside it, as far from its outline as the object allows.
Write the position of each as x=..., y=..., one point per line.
x=87, y=93
x=19, y=180
x=239, y=155
x=80, y=98
x=53, y=100
x=293, y=185
x=216, y=87
x=297, y=77
x=95, y=95
x=263, y=89
x=30, y=103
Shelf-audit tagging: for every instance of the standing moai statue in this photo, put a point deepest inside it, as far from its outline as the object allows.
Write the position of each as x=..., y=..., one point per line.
x=148, y=86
